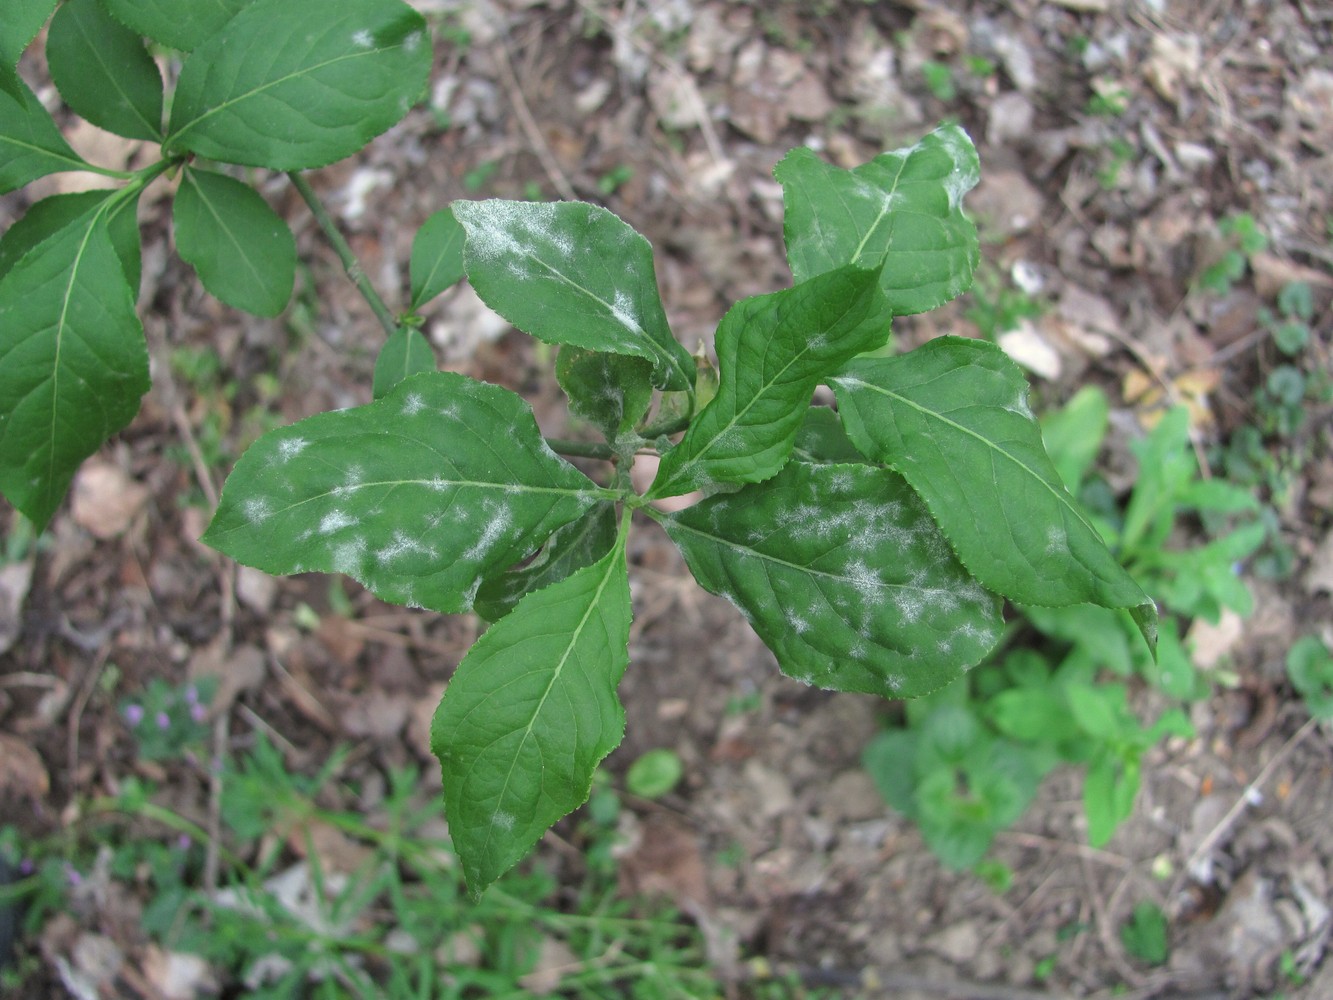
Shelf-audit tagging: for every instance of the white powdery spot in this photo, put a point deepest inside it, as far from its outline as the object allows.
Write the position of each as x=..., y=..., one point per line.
x=504, y=228
x=797, y=624
x=363, y=39
x=412, y=42
x=1056, y=539
x=895, y=682
x=492, y=533
x=909, y=605
x=257, y=510
x=413, y=404
x=291, y=447
x=348, y=556
x=438, y=484
x=335, y=520
x=505, y=821
x=863, y=580
x=400, y=546
x=622, y=308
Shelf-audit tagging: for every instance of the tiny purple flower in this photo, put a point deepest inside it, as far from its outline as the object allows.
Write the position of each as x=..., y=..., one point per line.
x=163, y=720
x=134, y=714
x=198, y=712
x=27, y=866
x=183, y=842
x=72, y=875
x=192, y=695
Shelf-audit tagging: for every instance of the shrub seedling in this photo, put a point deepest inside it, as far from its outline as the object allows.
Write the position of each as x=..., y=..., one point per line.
x=870, y=548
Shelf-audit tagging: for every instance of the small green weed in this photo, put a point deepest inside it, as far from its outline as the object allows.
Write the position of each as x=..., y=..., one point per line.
x=1310, y=668
x=1144, y=934
x=968, y=759
x=1243, y=239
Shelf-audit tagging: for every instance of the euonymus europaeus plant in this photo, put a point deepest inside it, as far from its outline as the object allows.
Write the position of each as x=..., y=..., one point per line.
x=870, y=547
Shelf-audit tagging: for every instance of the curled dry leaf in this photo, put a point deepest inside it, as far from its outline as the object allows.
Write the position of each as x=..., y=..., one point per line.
x=22, y=772
x=106, y=500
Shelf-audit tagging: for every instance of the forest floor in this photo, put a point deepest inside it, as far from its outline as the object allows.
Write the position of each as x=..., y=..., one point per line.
x=1120, y=140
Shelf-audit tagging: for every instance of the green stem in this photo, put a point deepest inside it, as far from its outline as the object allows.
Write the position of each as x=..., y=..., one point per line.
x=344, y=251
x=581, y=449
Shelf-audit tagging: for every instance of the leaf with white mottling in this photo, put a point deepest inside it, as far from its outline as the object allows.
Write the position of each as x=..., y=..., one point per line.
x=772, y=351
x=610, y=391
x=844, y=575
x=529, y=714
x=900, y=214
x=415, y=495
x=952, y=416
x=572, y=273
x=579, y=543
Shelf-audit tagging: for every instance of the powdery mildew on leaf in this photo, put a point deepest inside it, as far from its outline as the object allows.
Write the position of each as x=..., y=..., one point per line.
x=415, y=495
x=901, y=213
x=572, y=273
x=845, y=576
x=952, y=417
x=772, y=351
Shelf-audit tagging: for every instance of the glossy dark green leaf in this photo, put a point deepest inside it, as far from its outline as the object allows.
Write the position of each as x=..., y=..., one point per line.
x=415, y=495
x=22, y=20
x=579, y=543
x=530, y=713
x=73, y=364
x=30, y=144
x=610, y=391
x=772, y=351
x=406, y=352
x=241, y=249
x=296, y=84
x=103, y=71
x=50, y=215
x=180, y=24
x=952, y=416
x=437, y=257
x=900, y=214
x=845, y=576
x=572, y=273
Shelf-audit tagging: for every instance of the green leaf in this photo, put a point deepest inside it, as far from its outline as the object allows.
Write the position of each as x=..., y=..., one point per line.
x=241, y=249
x=50, y=215
x=1310, y=667
x=406, y=352
x=772, y=351
x=173, y=23
x=1098, y=709
x=572, y=547
x=30, y=144
x=572, y=273
x=1073, y=434
x=655, y=773
x=73, y=364
x=437, y=257
x=844, y=575
x=821, y=440
x=529, y=714
x=900, y=214
x=415, y=495
x=103, y=70
x=297, y=84
x=610, y=391
x=1144, y=935
x=1109, y=789
x=22, y=20
x=953, y=418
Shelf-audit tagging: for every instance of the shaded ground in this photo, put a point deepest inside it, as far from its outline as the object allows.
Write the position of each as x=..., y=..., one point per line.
x=1114, y=137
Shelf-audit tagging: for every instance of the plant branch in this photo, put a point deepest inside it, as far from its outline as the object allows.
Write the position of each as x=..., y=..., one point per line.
x=344, y=251
x=581, y=449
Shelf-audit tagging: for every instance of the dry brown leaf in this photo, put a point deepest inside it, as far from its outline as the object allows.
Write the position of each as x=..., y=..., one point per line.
x=105, y=499
x=22, y=772
x=15, y=581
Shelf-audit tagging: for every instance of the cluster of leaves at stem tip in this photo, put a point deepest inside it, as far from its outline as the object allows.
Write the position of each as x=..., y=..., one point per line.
x=870, y=546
